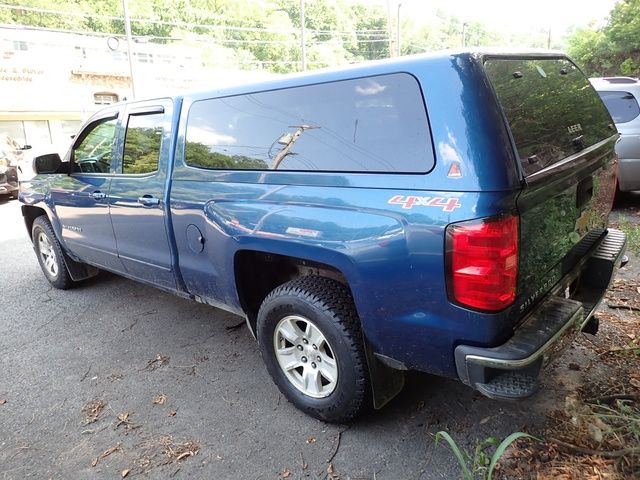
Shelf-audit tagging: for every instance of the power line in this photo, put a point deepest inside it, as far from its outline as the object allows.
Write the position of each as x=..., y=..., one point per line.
x=374, y=32
x=208, y=14
x=175, y=39
x=103, y=35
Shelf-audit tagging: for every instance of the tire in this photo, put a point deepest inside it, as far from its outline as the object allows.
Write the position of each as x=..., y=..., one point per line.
x=310, y=326
x=49, y=253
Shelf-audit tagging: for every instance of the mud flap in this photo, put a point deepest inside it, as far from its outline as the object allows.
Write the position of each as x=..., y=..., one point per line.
x=78, y=270
x=386, y=382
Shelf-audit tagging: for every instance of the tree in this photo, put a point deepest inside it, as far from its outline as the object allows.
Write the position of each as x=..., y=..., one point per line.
x=613, y=49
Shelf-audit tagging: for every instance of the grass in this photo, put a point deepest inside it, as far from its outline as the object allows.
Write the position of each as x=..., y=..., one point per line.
x=633, y=234
x=479, y=462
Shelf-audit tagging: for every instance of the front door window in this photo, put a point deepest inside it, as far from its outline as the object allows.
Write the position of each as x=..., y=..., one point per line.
x=95, y=151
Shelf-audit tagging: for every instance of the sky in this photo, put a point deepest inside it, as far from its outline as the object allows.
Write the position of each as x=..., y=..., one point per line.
x=513, y=15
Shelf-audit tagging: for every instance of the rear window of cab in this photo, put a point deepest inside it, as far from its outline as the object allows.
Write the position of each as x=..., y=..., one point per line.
x=550, y=106
x=372, y=124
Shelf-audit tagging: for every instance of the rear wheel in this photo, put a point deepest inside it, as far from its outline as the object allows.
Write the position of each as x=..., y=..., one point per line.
x=311, y=343
x=49, y=253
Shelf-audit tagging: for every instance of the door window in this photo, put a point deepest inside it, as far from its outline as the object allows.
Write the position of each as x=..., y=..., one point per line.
x=142, y=143
x=95, y=151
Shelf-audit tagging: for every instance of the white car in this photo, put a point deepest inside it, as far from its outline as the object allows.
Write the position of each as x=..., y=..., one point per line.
x=621, y=96
x=11, y=155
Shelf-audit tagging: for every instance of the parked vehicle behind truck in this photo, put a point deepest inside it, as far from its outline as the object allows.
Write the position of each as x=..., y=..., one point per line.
x=444, y=213
x=620, y=95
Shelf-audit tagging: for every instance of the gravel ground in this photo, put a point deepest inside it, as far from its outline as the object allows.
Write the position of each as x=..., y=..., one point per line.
x=80, y=371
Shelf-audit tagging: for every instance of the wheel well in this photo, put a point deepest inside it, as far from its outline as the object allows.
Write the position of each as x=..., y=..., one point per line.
x=258, y=273
x=30, y=213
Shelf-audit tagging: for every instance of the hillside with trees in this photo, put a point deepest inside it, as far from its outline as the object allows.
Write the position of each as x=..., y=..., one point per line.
x=266, y=34
x=613, y=49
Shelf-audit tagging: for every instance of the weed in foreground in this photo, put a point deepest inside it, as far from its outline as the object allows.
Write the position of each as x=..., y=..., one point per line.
x=478, y=463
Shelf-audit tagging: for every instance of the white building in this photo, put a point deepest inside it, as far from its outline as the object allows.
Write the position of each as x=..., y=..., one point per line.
x=50, y=81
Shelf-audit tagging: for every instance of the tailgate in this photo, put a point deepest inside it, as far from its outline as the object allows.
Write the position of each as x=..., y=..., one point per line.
x=564, y=138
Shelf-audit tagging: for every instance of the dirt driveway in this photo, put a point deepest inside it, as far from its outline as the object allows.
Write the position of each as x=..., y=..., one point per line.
x=115, y=379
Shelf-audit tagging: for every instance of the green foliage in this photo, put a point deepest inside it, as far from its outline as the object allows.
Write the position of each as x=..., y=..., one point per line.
x=479, y=463
x=633, y=234
x=244, y=33
x=142, y=150
x=198, y=154
x=613, y=49
x=255, y=34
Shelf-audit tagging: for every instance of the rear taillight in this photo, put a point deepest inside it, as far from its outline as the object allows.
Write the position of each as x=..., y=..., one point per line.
x=482, y=262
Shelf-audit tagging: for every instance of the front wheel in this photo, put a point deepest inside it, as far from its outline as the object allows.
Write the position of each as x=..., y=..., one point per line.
x=49, y=253
x=311, y=343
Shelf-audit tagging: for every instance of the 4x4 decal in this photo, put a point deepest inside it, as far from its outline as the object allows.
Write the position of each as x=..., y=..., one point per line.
x=447, y=204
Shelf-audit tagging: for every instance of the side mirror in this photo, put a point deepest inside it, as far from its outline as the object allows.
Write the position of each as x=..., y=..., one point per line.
x=49, y=163
x=26, y=147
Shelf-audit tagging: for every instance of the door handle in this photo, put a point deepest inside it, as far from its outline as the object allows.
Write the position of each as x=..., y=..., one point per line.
x=98, y=195
x=148, y=200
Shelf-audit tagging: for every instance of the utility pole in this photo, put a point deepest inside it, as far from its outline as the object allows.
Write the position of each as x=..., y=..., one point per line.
x=389, y=30
x=127, y=29
x=549, y=39
x=464, y=34
x=399, y=50
x=303, y=43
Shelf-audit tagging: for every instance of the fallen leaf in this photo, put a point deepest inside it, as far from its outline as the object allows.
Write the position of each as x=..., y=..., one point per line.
x=311, y=440
x=485, y=420
x=286, y=473
x=172, y=413
x=160, y=399
x=2, y=401
x=125, y=472
x=635, y=382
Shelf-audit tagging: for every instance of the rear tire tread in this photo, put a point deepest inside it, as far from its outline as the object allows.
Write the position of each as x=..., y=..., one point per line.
x=335, y=301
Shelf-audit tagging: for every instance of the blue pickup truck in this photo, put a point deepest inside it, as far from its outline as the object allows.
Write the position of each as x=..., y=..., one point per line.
x=445, y=213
